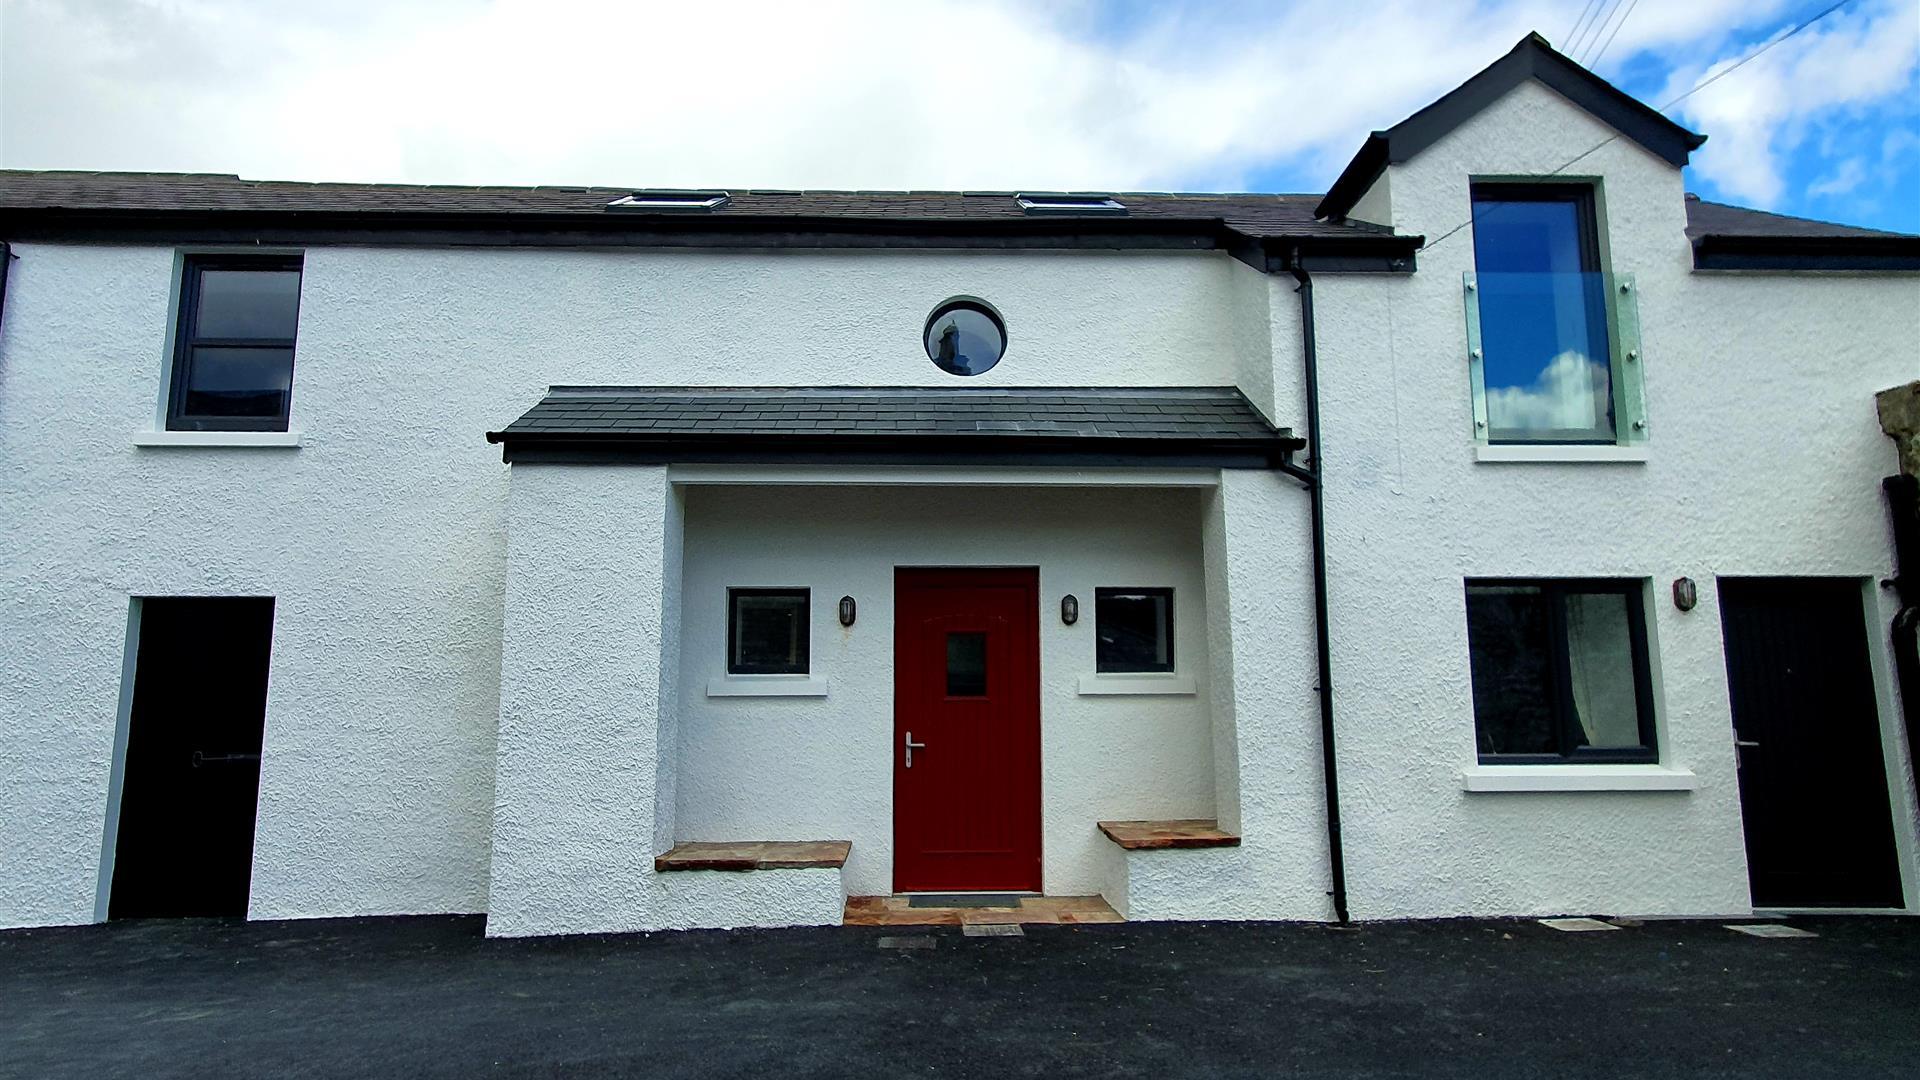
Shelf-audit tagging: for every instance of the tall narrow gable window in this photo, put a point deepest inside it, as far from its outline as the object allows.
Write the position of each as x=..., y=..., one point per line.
x=233, y=347
x=1545, y=353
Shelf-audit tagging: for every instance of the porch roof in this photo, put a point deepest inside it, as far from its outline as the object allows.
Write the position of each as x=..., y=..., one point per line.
x=1177, y=425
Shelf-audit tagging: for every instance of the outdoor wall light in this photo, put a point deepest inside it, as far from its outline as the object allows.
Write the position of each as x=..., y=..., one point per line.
x=1685, y=595
x=1069, y=609
x=846, y=611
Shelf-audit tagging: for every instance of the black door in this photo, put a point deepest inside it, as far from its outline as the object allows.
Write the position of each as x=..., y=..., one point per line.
x=1813, y=783
x=192, y=777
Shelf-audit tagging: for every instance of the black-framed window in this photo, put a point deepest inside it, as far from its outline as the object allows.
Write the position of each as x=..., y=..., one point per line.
x=233, y=343
x=1560, y=670
x=1544, y=336
x=767, y=631
x=1133, y=630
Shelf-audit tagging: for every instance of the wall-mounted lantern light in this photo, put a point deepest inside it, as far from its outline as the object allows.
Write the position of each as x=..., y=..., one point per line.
x=1069, y=609
x=1685, y=595
x=846, y=611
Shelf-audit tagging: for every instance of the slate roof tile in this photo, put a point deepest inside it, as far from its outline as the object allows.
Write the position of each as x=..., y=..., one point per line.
x=1190, y=413
x=1253, y=214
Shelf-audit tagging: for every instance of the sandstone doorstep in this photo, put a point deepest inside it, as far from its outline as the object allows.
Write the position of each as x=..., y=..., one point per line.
x=1183, y=833
x=756, y=855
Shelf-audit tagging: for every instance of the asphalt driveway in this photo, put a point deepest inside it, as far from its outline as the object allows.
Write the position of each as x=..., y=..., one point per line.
x=432, y=997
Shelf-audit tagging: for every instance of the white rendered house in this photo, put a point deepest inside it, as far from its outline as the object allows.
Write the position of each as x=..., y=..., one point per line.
x=1499, y=533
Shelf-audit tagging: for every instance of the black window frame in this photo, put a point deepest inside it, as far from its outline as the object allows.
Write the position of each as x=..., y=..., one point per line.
x=1578, y=192
x=1566, y=718
x=184, y=341
x=1102, y=593
x=965, y=303
x=804, y=629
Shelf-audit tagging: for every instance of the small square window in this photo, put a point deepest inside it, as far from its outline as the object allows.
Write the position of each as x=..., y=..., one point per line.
x=767, y=631
x=1133, y=630
x=233, y=344
x=1559, y=671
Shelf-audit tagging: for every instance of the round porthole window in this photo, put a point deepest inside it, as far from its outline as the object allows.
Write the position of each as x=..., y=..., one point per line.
x=965, y=337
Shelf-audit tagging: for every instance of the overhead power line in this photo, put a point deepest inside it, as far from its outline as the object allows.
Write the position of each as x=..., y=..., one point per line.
x=1578, y=23
x=1595, y=62
x=1594, y=26
x=1696, y=88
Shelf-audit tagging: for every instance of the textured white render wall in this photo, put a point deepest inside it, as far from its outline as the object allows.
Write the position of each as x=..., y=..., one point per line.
x=759, y=768
x=586, y=766
x=1253, y=343
x=383, y=537
x=1265, y=716
x=1764, y=458
x=380, y=540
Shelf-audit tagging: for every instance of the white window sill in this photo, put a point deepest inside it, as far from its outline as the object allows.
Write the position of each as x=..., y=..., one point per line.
x=1138, y=685
x=1536, y=453
x=282, y=440
x=767, y=686
x=1503, y=778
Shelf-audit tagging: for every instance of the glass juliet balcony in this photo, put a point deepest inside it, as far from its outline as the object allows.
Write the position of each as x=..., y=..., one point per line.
x=1555, y=358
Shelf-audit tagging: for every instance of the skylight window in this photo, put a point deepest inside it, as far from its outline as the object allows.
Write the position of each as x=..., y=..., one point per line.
x=1070, y=204
x=671, y=201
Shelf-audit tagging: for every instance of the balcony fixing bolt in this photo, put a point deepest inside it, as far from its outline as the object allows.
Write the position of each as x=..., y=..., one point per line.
x=1469, y=286
x=1475, y=353
x=1481, y=424
x=1633, y=354
x=1626, y=286
x=1639, y=425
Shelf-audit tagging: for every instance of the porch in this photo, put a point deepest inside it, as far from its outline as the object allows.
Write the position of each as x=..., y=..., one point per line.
x=708, y=655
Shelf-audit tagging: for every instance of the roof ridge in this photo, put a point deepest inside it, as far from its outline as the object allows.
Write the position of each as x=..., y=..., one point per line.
x=401, y=185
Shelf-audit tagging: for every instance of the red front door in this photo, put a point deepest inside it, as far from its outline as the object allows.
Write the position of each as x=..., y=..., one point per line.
x=966, y=731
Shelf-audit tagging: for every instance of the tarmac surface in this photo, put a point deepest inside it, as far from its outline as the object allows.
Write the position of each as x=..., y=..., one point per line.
x=432, y=997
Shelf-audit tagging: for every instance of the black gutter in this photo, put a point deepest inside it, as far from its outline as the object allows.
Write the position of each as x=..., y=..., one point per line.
x=1362, y=249
x=1858, y=254
x=733, y=448
x=6, y=259
x=1312, y=478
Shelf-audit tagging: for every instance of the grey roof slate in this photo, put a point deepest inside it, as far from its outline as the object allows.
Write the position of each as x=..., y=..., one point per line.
x=1253, y=214
x=1719, y=219
x=1214, y=414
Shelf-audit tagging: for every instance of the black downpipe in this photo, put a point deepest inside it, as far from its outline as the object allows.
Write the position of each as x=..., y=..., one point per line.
x=1316, y=494
x=6, y=259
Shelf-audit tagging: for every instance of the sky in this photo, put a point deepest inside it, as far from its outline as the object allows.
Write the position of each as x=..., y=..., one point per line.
x=898, y=94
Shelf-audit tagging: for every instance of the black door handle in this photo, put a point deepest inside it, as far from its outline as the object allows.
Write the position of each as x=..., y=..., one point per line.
x=200, y=758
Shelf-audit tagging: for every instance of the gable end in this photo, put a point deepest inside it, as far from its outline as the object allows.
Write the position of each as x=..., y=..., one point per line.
x=1532, y=58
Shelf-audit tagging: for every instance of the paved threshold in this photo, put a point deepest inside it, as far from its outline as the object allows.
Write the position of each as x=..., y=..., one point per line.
x=964, y=911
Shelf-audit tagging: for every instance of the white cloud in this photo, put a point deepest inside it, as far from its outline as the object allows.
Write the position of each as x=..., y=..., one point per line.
x=1571, y=394
x=1851, y=173
x=835, y=93
x=1840, y=68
